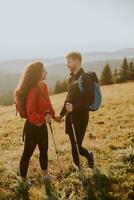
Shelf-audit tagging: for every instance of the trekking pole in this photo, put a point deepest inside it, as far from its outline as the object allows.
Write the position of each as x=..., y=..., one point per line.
x=74, y=134
x=56, y=150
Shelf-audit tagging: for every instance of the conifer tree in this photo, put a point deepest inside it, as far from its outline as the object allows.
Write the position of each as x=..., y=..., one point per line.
x=60, y=86
x=131, y=71
x=124, y=71
x=106, y=76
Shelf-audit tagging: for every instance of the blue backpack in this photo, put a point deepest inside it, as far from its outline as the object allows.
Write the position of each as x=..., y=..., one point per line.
x=97, y=92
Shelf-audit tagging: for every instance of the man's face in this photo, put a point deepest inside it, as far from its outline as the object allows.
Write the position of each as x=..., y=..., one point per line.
x=73, y=64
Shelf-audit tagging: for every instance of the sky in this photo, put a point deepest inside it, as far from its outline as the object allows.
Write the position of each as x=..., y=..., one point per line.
x=51, y=28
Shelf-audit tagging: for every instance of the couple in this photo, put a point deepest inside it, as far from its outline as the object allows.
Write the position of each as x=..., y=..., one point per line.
x=33, y=103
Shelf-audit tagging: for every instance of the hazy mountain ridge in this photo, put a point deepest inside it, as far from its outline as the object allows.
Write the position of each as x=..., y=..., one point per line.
x=10, y=70
x=18, y=65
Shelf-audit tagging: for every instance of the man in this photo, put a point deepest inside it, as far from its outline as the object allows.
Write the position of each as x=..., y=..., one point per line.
x=76, y=107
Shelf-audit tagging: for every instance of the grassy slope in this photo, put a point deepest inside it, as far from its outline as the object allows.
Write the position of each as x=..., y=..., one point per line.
x=110, y=130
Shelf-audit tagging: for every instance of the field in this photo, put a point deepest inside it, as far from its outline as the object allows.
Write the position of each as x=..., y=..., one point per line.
x=110, y=135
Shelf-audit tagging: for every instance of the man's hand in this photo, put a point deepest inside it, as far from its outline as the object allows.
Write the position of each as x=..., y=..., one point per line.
x=48, y=118
x=58, y=119
x=69, y=107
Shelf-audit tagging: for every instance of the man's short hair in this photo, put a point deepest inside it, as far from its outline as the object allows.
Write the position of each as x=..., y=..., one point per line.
x=75, y=55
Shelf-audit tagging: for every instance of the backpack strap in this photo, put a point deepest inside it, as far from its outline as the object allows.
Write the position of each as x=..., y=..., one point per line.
x=80, y=83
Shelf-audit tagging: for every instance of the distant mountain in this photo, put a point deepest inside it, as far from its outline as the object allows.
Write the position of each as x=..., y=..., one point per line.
x=10, y=70
x=60, y=71
x=17, y=66
x=99, y=56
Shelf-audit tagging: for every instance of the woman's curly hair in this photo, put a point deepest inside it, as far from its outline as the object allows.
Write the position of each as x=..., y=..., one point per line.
x=29, y=79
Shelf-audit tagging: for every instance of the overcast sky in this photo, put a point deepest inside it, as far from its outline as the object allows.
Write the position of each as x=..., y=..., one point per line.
x=50, y=28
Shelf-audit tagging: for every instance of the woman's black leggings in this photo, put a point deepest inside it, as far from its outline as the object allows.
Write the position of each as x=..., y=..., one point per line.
x=34, y=135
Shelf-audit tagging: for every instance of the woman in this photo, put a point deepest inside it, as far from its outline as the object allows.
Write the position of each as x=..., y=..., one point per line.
x=32, y=95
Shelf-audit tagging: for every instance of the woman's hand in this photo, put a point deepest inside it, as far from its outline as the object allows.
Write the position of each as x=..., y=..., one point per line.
x=48, y=118
x=58, y=119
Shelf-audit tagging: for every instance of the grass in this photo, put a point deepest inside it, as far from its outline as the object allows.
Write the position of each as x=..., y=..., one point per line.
x=110, y=135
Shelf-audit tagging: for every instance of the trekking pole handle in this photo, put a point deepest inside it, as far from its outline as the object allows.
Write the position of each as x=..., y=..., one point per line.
x=48, y=113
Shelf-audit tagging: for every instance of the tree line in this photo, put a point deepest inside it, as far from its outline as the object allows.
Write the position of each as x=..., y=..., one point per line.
x=120, y=75
x=60, y=86
x=6, y=98
x=124, y=73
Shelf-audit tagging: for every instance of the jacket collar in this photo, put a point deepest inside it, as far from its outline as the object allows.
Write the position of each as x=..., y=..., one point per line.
x=80, y=72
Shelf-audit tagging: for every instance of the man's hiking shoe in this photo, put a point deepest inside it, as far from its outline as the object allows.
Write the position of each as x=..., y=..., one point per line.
x=91, y=160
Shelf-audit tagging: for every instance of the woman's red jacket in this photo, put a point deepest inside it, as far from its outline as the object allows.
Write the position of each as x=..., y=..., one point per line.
x=38, y=104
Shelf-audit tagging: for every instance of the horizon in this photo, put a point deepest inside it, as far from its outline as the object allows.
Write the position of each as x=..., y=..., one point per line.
x=62, y=56
x=49, y=29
